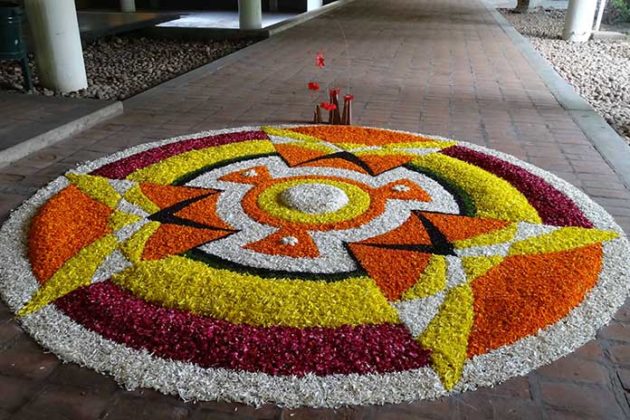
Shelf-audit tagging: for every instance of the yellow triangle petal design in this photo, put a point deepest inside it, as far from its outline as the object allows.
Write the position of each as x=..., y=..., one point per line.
x=134, y=246
x=432, y=281
x=76, y=272
x=497, y=237
x=120, y=219
x=97, y=188
x=279, y=132
x=320, y=147
x=135, y=196
x=561, y=240
x=447, y=335
x=478, y=266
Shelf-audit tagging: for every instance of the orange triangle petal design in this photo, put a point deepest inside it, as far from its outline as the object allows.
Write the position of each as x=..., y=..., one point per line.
x=336, y=163
x=279, y=243
x=412, y=232
x=296, y=155
x=383, y=163
x=204, y=212
x=175, y=239
x=168, y=195
x=393, y=270
x=457, y=228
x=405, y=190
x=65, y=224
x=360, y=135
x=547, y=287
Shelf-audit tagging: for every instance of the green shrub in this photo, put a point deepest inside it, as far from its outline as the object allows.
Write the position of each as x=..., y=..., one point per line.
x=617, y=11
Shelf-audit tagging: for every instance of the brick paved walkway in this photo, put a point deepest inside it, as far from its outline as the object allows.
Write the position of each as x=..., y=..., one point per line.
x=440, y=67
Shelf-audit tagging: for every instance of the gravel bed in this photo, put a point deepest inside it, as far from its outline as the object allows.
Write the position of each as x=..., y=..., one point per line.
x=598, y=70
x=122, y=66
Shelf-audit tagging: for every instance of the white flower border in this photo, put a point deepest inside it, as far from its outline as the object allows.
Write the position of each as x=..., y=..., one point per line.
x=133, y=368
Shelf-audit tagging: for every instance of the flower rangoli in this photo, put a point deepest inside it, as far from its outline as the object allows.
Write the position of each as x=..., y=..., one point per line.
x=312, y=265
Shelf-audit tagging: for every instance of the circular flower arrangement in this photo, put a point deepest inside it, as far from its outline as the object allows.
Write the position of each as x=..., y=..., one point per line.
x=311, y=265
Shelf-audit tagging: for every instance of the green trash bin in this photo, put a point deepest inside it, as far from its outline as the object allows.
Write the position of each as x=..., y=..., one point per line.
x=12, y=46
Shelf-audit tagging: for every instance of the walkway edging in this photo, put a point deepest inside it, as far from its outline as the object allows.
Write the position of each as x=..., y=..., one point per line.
x=60, y=133
x=605, y=139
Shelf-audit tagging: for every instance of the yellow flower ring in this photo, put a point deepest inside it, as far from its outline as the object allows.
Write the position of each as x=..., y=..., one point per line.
x=269, y=201
x=311, y=265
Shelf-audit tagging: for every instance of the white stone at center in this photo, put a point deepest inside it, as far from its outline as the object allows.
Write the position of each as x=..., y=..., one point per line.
x=314, y=198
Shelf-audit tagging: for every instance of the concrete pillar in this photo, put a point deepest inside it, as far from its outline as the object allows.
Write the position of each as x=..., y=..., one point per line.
x=128, y=5
x=525, y=6
x=57, y=40
x=313, y=4
x=600, y=15
x=250, y=14
x=579, y=21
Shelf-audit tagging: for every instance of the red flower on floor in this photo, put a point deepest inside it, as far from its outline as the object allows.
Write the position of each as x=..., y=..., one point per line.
x=328, y=106
x=319, y=60
x=313, y=86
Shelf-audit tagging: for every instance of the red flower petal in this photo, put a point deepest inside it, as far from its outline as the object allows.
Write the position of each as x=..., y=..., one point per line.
x=319, y=60
x=328, y=106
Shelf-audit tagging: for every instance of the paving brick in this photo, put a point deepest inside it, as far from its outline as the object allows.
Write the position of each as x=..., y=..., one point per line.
x=515, y=388
x=443, y=408
x=470, y=406
x=5, y=312
x=588, y=401
x=623, y=314
x=9, y=331
x=571, y=368
x=357, y=414
x=24, y=358
x=14, y=392
x=590, y=351
x=56, y=402
x=566, y=415
x=506, y=409
x=125, y=408
x=396, y=413
x=8, y=203
x=615, y=331
x=10, y=178
x=591, y=167
x=621, y=353
x=605, y=192
x=624, y=377
x=90, y=382
x=232, y=410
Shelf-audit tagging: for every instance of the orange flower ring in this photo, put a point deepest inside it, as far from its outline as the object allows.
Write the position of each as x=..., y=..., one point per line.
x=312, y=265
